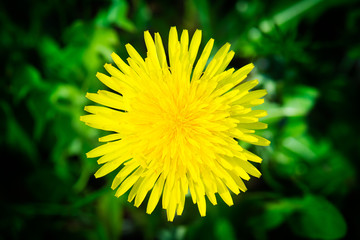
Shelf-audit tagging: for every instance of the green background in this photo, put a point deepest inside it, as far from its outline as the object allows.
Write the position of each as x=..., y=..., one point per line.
x=306, y=55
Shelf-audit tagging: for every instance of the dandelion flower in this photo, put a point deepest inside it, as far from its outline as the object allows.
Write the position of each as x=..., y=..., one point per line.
x=175, y=124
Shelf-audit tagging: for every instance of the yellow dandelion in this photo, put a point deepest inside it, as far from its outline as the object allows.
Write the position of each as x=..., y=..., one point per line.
x=175, y=127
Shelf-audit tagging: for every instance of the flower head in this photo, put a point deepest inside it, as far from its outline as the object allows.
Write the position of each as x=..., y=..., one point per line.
x=176, y=125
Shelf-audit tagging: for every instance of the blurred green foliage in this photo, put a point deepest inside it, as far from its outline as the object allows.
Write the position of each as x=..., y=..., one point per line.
x=307, y=55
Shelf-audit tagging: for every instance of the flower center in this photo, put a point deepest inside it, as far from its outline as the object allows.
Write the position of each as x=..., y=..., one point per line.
x=178, y=122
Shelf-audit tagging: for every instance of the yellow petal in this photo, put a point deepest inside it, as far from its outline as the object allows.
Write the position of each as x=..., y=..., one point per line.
x=146, y=185
x=155, y=194
x=253, y=103
x=194, y=47
x=252, y=96
x=134, y=190
x=110, y=137
x=129, y=182
x=255, y=125
x=217, y=61
x=103, y=149
x=124, y=172
x=160, y=51
x=135, y=55
x=107, y=100
x=174, y=47
x=250, y=168
x=99, y=122
x=109, y=167
x=110, y=82
x=252, y=157
x=184, y=44
x=117, y=154
x=112, y=70
x=120, y=63
x=200, y=65
x=224, y=193
x=152, y=53
x=238, y=181
x=229, y=56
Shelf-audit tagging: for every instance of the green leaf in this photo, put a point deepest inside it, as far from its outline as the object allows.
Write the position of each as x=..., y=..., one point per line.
x=101, y=45
x=331, y=175
x=26, y=79
x=117, y=15
x=288, y=14
x=15, y=134
x=173, y=233
x=203, y=10
x=274, y=214
x=110, y=213
x=299, y=146
x=67, y=98
x=318, y=219
x=224, y=230
x=299, y=101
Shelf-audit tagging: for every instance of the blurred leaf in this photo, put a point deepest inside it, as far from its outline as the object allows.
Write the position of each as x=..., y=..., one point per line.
x=290, y=13
x=110, y=213
x=332, y=175
x=26, y=79
x=52, y=57
x=224, y=230
x=274, y=214
x=45, y=179
x=59, y=153
x=299, y=146
x=28, y=85
x=318, y=219
x=142, y=14
x=173, y=233
x=299, y=101
x=117, y=15
x=38, y=105
x=67, y=98
x=354, y=52
x=90, y=198
x=15, y=136
x=274, y=110
x=102, y=44
x=295, y=127
x=87, y=170
x=87, y=45
x=203, y=11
